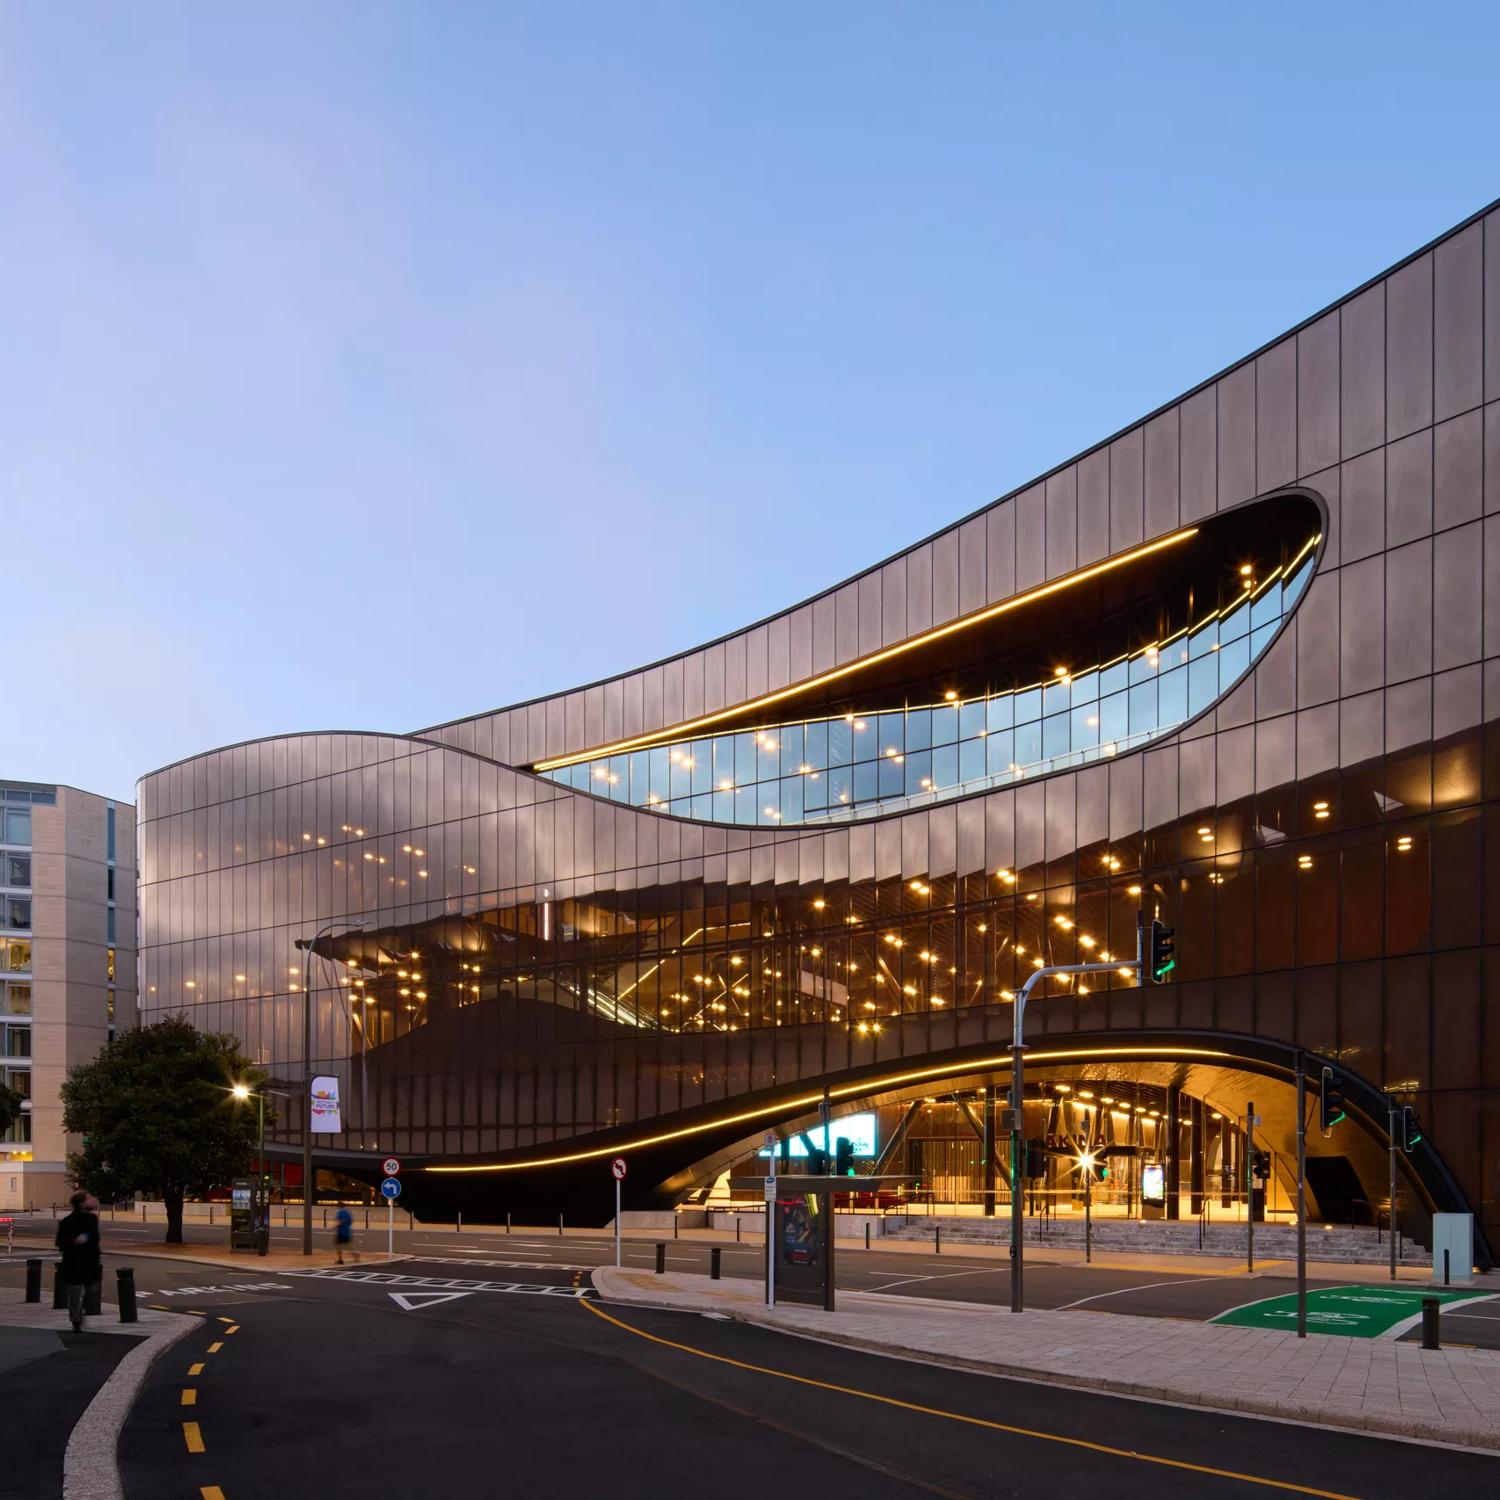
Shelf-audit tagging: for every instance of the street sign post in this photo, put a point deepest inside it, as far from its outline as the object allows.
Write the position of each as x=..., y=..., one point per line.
x=391, y=1190
x=617, y=1171
x=771, y=1219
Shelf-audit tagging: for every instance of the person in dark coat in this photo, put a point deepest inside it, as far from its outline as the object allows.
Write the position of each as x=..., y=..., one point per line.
x=82, y=1263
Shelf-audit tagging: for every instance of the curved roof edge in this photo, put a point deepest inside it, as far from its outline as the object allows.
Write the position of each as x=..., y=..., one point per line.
x=988, y=505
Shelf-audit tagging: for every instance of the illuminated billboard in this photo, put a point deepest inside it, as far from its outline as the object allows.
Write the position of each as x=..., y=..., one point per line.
x=858, y=1130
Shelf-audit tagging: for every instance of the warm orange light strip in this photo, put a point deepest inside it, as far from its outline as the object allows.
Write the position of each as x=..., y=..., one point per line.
x=692, y=726
x=854, y=1090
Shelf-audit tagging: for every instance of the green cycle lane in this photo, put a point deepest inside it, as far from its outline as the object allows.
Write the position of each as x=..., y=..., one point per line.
x=1361, y=1312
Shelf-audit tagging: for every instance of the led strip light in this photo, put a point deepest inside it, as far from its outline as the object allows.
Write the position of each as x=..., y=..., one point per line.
x=690, y=727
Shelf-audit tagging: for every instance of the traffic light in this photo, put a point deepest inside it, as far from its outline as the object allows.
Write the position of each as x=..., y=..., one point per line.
x=1162, y=958
x=843, y=1157
x=1260, y=1165
x=1411, y=1129
x=1330, y=1100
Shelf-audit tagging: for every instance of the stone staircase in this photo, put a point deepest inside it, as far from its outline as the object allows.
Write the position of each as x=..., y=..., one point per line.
x=1166, y=1237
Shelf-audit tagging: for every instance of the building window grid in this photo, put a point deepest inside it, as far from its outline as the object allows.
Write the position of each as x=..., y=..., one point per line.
x=817, y=771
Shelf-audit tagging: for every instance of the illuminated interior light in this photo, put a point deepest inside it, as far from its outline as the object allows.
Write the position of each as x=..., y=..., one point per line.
x=1246, y=569
x=808, y=685
x=1133, y=890
x=819, y=904
x=950, y=695
x=1064, y=923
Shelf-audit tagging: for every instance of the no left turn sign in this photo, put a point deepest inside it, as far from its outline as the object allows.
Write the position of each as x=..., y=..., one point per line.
x=617, y=1168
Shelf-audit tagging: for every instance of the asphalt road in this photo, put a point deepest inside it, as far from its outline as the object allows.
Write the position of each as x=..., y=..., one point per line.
x=1173, y=1289
x=524, y=1384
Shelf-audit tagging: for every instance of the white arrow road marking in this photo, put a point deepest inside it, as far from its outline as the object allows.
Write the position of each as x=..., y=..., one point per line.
x=413, y=1301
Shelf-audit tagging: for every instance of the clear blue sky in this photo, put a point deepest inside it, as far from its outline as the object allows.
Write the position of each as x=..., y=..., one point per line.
x=369, y=365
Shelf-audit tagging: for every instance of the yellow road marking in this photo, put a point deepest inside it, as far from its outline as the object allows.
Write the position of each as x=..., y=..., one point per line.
x=954, y=1416
x=192, y=1437
x=211, y=1492
x=214, y=1348
x=233, y=1328
x=157, y=1306
x=189, y=1397
x=197, y=1312
x=196, y=1369
x=223, y=1319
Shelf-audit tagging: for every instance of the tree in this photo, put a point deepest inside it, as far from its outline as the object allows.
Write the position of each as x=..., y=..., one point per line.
x=156, y=1114
x=10, y=1108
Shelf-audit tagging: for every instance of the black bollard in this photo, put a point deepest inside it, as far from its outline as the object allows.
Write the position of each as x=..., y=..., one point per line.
x=937, y=1239
x=714, y=1257
x=661, y=1258
x=59, y=1291
x=125, y=1293
x=867, y=1234
x=34, y=1279
x=1430, y=1306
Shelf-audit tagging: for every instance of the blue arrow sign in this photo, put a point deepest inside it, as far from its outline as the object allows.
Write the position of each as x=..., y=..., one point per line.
x=391, y=1188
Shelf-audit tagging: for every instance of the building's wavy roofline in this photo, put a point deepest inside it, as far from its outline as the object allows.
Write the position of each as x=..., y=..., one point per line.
x=988, y=505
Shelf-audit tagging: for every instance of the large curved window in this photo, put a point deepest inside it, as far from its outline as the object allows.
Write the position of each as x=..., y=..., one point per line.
x=1140, y=676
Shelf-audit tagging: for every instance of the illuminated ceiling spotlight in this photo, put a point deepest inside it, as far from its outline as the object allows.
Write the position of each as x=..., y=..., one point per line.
x=1206, y=834
x=1064, y=923
x=1008, y=876
x=819, y=904
x=1320, y=810
x=1133, y=890
x=950, y=695
x=1246, y=570
x=1403, y=844
x=1304, y=862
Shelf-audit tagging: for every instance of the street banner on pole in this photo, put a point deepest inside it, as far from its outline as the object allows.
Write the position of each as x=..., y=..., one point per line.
x=323, y=1106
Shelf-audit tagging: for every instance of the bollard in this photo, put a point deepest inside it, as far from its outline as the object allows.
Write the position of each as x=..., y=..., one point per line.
x=736, y=1229
x=1430, y=1306
x=867, y=1234
x=507, y=1223
x=34, y=1279
x=459, y=1228
x=559, y=1226
x=1445, y=1271
x=713, y=1262
x=937, y=1239
x=661, y=1258
x=674, y=1226
x=125, y=1293
x=143, y=1213
x=59, y=1291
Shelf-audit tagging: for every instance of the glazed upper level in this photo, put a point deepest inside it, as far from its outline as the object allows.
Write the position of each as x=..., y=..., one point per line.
x=1407, y=361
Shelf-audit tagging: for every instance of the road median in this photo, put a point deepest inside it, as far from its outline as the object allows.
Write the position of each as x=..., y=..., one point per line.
x=1369, y=1385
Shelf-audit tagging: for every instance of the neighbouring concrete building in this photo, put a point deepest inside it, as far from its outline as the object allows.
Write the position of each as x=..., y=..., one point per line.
x=67, y=962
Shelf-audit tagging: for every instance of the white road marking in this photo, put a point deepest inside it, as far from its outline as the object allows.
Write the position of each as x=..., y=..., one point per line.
x=416, y=1301
x=945, y=1276
x=1120, y=1291
x=444, y=1283
x=503, y=1265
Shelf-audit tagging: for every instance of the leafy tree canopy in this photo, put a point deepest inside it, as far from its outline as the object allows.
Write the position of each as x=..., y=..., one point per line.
x=10, y=1108
x=156, y=1115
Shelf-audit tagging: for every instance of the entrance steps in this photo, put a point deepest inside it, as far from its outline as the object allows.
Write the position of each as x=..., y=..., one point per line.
x=1342, y=1242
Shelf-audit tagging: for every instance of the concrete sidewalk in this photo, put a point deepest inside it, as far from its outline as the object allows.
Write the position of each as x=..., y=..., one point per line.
x=1371, y=1385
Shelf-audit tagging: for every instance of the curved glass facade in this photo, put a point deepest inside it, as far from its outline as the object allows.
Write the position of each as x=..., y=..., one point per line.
x=854, y=764
x=1301, y=776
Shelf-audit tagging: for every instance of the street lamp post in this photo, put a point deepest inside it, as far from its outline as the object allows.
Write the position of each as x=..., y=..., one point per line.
x=241, y=1091
x=1018, y=1104
x=307, y=947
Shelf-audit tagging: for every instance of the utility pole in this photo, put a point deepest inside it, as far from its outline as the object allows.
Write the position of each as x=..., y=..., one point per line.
x=1250, y=1185
x=1390, y=1218
x=1018, y=1102
x=1301, y=1197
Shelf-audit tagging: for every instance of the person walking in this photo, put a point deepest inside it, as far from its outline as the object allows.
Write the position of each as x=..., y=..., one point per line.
x=343, y=1235
x=82, y=1261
